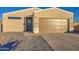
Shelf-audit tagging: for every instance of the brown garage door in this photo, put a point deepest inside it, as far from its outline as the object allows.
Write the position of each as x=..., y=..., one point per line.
x=53, y=25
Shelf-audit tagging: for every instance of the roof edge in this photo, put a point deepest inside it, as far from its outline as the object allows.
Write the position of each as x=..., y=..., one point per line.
x=40, y=10
x=22, y=10
x=56, y=8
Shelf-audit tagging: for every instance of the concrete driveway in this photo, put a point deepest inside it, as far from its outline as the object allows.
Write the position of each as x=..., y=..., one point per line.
x=63, y=42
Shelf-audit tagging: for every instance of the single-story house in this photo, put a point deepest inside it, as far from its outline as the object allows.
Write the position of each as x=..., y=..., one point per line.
x=36, y=20
x=0, y=25
x=76, y=27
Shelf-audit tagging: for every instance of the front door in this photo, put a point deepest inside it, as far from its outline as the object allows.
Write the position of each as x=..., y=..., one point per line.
x=28, y=24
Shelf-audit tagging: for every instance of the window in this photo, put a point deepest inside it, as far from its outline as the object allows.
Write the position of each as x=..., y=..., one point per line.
x=14, y=17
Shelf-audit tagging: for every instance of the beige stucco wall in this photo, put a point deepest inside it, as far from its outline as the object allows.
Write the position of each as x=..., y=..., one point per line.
x=0, y=27
x=16, y=25
x=54, y=14
x=36, y=21
x=76, y=27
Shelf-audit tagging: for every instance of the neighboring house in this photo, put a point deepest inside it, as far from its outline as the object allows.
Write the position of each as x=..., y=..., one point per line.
x=76, y=27
x=0, y=25
x=51, y=20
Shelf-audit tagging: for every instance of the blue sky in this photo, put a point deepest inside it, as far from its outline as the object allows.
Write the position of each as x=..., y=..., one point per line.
x=75, y=10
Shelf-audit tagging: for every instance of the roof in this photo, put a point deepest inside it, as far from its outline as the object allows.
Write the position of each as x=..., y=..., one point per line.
x=40, y=10
x=56, y=8
x=22, y=10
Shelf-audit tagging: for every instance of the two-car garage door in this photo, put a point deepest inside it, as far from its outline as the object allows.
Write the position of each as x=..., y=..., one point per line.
x=47, y=25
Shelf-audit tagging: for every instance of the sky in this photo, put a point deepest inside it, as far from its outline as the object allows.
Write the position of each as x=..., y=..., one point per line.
x=75, y=10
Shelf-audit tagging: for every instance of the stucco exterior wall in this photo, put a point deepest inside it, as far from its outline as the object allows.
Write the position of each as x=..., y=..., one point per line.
x=54, y=14
x=0, y=27
x=36, y=22
x=76, y=27
x=16, y=25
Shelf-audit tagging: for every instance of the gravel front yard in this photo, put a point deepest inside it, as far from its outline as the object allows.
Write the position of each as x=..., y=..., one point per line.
x=26, y=43
x=33, y=43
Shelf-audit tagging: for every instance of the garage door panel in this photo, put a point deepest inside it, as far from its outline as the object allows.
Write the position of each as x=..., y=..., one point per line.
x=53, y=25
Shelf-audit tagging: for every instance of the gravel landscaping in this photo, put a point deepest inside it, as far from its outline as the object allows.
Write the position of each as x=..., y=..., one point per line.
x=26, y=43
